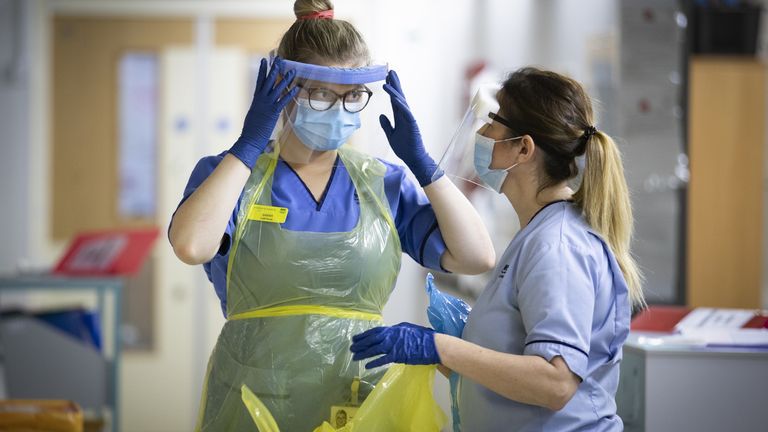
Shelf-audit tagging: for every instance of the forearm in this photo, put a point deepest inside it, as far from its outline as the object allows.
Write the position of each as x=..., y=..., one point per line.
x=199, y=224
x=521, y=378
x=470, y=249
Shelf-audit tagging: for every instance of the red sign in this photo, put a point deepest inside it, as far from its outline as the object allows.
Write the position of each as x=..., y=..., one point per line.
x=107, y=253
x=664, y=319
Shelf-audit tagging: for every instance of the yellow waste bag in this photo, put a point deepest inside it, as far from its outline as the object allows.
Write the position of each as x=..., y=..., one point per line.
x=401, y=402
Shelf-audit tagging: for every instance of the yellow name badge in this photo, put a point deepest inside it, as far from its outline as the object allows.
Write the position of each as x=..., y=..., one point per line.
x=264, y=213
x=341, y=415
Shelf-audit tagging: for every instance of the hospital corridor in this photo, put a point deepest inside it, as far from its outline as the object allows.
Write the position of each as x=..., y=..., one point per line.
x=383, y=215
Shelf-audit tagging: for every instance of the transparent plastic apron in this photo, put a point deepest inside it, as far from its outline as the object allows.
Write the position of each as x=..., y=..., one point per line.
x=294, y=301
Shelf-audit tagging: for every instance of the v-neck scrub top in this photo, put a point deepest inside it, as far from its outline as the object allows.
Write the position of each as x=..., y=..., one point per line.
x=338, y=210
x=557, y=291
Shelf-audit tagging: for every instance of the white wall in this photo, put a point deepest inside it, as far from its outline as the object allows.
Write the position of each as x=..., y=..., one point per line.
x=553, y=34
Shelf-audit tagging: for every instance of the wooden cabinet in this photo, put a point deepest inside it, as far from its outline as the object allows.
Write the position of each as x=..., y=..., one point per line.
x=725, y=201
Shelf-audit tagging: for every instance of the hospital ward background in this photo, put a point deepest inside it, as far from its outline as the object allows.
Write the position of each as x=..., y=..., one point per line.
x=107, y=105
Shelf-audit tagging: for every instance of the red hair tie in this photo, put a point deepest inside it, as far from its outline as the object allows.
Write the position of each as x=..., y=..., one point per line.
x=326, y=14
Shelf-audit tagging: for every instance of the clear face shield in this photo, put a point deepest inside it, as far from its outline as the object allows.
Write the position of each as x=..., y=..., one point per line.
x=325, y=113
x=467, y=159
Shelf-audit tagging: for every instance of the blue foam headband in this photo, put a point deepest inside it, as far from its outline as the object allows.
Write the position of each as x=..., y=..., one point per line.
x=337, y=75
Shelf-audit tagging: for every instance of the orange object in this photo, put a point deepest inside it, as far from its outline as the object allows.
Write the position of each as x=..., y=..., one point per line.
x=40, y=416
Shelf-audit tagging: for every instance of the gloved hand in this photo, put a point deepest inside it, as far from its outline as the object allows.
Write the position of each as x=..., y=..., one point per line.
x=404, y=137
x=404, y=343
x=268, y=102
x=446, y=313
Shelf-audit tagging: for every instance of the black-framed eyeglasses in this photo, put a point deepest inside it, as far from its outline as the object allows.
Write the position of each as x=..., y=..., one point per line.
x=502, y=120
x=323, y=99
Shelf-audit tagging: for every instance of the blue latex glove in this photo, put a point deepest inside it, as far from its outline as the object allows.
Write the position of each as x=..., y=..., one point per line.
x=268, y=102
x=446, y=313
x=404, y=343
x=404, y=137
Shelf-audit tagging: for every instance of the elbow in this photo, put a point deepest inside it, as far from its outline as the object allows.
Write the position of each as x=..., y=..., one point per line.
x=467, y=263
x=187, y=247
x=561, y=394
x=482, y=263
x=189, y=252
x=489, y=261
x=557, y=403
x=486, y=259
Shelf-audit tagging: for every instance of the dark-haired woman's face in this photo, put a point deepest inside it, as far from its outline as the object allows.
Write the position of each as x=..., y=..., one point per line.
x=505, y=149
x=495, y=131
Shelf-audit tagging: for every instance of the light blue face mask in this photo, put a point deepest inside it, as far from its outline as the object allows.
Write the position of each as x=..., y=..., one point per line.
x=493, y=178
x=324, y=130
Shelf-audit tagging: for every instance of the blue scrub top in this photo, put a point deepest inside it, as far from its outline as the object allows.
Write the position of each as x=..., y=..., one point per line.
x=557, y=291
x=337, y=211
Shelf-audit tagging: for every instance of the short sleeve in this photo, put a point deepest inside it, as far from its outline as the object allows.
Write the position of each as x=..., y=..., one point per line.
x=200, y=173
x=556, y=297
x=415, y=219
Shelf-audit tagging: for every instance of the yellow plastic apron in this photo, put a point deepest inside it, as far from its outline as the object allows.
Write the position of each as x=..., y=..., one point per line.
x=294, y=301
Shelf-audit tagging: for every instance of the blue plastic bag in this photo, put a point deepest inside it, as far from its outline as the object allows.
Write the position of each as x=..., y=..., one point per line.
x=448, y=315
x=82, y=324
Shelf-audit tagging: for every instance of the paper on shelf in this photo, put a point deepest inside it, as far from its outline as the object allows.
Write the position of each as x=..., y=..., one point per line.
x=714, y=318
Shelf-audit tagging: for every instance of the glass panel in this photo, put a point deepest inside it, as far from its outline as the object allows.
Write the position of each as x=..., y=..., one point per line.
x=137, y=129
x=138, y=111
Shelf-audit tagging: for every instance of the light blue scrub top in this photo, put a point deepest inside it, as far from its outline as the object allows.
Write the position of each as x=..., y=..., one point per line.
x=337, y=211
x=557, y=291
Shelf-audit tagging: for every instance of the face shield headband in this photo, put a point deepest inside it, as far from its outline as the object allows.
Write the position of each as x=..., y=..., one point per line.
x=336, y=75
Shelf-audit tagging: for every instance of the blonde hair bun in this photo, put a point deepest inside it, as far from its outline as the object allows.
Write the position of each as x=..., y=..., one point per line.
x=302, y=8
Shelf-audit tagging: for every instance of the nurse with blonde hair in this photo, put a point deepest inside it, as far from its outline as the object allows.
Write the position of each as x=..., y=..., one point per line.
x=542, y=346
x=302, y=235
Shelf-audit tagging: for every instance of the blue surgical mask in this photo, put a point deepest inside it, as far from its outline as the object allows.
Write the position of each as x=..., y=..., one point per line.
x=324, y=130
x=493, y=178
